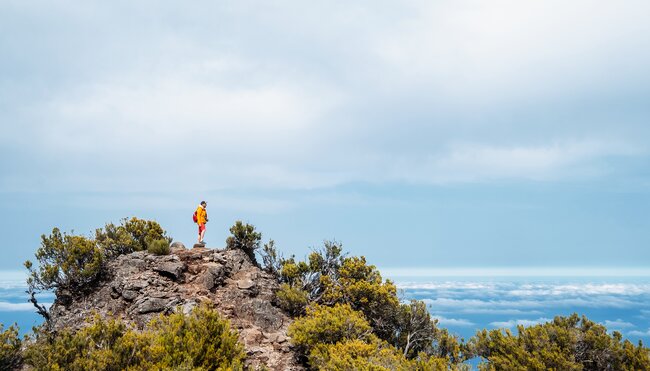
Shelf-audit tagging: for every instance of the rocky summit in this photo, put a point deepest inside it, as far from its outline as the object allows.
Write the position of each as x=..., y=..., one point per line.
x=140, y=286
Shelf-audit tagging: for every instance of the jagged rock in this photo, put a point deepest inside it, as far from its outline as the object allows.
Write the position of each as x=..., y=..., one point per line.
x=129, y=294
x=141, y=285
x=152, y=305
x=136, y=285
x=214, y=275
x=173, y=270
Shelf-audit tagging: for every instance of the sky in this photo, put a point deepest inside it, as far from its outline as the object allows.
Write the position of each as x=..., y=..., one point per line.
x=420, y=134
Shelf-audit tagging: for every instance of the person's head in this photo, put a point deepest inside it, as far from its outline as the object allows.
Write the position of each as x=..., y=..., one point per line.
x=204, y=204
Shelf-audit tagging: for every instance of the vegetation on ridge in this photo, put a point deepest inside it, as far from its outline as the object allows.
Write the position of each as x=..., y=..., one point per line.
x=201, y=340
x=346, y=316
x=70, y=264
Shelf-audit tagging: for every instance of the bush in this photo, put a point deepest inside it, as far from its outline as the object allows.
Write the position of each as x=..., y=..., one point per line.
x=340, y=338
x=358, y=355
x=415, y=331
x=330, y=278
x=244, y=237
x=158, y=247
x=103, y=345
x=328, y=325
x=566, y=343
x=67, y=264
x=200, y=340
x=271, y=259
x=361, y=286
x=292, y=299
x=131, y=235
x=10, y=353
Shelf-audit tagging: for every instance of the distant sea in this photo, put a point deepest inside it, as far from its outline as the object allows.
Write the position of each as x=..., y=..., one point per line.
x=464, y=304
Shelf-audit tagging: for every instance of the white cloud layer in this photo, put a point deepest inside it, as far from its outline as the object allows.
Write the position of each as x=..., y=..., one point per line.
x=19, y=307
x=518, y=322
x=272, y=97
x=453, y=322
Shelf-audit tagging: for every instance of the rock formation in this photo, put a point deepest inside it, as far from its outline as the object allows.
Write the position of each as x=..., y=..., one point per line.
x=141, y=285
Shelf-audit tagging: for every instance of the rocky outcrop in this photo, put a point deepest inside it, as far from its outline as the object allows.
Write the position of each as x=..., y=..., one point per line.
x=141, y=285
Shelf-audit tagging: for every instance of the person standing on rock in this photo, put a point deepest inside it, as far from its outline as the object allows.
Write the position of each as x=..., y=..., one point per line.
x=201, y=219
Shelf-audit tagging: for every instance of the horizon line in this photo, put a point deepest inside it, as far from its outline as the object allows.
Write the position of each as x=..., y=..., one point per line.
x=504, y=271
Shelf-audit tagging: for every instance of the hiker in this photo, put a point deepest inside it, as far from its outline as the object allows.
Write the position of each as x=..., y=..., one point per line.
x=201, y=219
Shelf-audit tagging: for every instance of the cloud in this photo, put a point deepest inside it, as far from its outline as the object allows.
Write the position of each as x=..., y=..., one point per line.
x=617, y=324
x=19, y=307
x=640, y=333
x=517, y=322
x=421, y=93
x=453, y=322
x=523, y=298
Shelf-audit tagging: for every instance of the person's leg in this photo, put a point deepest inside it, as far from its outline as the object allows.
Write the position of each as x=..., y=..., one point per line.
x=202, y=232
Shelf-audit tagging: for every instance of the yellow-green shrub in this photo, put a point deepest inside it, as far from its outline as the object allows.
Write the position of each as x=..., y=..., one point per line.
x=566, y=343
x=10, y=354
x=244, y=237
x=65, y=262
x=201, y=340
x=358, y=355
x=103, y=345
x=328, y=325
x=361, y=286
x=158, y=247
x=131, y=235
x=292, y=299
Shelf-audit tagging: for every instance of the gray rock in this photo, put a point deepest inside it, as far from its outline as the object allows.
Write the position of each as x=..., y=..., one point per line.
x=159, y=294
x=152, y=305
x=129, y=294
x=136, y=285
x=172, y=269
x=214, y=275
x=177, y=245
x=246, y=284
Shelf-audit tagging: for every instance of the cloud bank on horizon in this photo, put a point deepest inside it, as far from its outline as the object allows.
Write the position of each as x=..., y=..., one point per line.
x=293, y=95
x=467, y=305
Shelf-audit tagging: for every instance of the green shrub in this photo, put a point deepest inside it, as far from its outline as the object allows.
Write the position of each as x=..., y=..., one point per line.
x=329, y=278
x=358, y=355
x=361, y=286
x=10, y=353
x=201, y=340
x=291, y=299
x=416, y=332
x=339, y=338
x=131, y=235
x=271, y=259
x=566, y=343
x=328, y=325
x=244, y=237
x=158, y=247
x=65, y=263
x=103, y=345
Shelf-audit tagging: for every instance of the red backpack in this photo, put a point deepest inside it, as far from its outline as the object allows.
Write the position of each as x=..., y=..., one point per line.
x=194, y=218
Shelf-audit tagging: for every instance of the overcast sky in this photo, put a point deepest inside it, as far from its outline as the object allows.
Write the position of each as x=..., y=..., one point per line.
x=418, y=133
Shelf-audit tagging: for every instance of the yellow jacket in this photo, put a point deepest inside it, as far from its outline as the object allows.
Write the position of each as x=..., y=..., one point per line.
x=201, y=215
